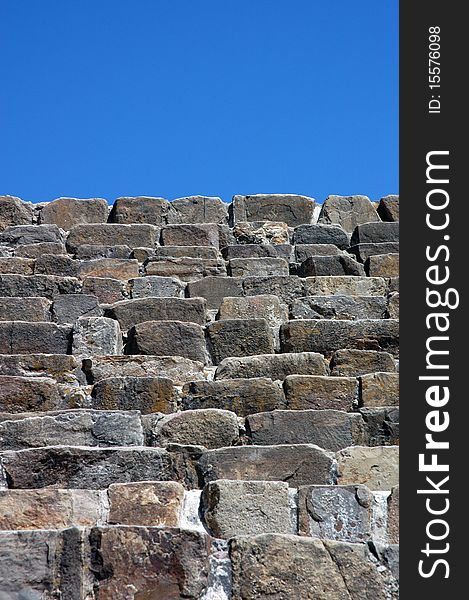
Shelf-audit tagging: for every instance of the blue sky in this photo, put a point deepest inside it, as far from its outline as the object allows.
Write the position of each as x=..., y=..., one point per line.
x=170, y=98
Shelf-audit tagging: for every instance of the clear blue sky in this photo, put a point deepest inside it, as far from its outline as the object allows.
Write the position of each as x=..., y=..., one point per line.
x=216, y=97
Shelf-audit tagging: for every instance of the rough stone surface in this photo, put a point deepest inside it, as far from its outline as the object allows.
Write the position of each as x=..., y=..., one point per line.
x=322, y=234
x=106, y=289
x=70, y=307
x=388, y=208
x=393, y=305
x=114, y=268
x=363, y=251
x=393, y=515
x=25, y=309
x=167, y=338
x=377, y=468
x=339, y=307
x=379, y=389
x=57, y=264
x=242, y=396
x=13, y=211
x=17, y=337
x=154, y=286
x=382, y=424
x=253, y=307
x=146, y=394
x=286, y=288
x=67, y=212
x=338, y=265
x=353, y=363
x=198, y=209
x=31, y=234
x=14, y=264
x=23, y=394
x=38, y=249
x=258, y=251
x=375, y=233
x=304, y=251
x=60, y=367
x=46, y=286
x=275, y=366
x=289, y=208
x=233, y=508
x=95, y=251
x=260, y=232
x=383, y=265
x=187, y=269
x=319, y=392
x=140, y=209
x=239, y=337
x=112, y=234
x=345, y=286
x=94, y=336
x=214, y=289
x=347, y=211
x=203, y=234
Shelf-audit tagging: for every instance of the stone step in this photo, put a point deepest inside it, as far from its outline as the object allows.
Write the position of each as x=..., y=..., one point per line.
x=17, y=337
x=62, y=368
x=113, y=234
x=347, y=211
x=239, y=337
x=339, y=307
x=187, y=269
x=258, y=251
x=46, y=286
x=336, y=265
x=25, y=309
x=258, y=267
x=273, y=366
x=201, y=234
x=288, y=208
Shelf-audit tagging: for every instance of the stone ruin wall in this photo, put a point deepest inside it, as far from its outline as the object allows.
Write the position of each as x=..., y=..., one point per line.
x=199, y=400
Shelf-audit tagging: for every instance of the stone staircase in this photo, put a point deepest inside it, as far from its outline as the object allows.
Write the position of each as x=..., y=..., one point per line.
x=199, y=400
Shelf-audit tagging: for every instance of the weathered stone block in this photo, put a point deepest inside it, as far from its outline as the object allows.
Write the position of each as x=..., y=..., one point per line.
x=142, y=209
x=82, y=467
x=379, y=389
x=17, y=337
x=258, y=267
x=339, y=307
x=388, y=208
x=131, y=312
x=70, y=307
x=187, y=269
x=393, y=305
x=167, y=338
x=328, y=429
x=23, y=394
x=347, y=211
x=342, y=513
x=16, y=264
x=154, y=286
x=62, y=368
x=242, y=396
x=258, y=251
x=289, y=208
x=345, y=286
x=383, y=265
x=67, y=212
x=74, y=428
x=112, y=234
x=341, y=264
x=95, y=336
x=239, y=337
x=297, y=464
x=202, y=234
x=46, y=286
x=364, y=251
x=95, y=251
x=25, y=309
x=393, y=516
x=321, y=234
x=274, y=366
x=375, y=233
x=179, y=370
x=382, y=424
x=146, y=394
x=161, y=252
x=353, y=363
x=166, y=563
x=48, y=509
x=377, y=468
x=107, y=290
x=13, y=211
x=328, y=335
x=198, y=209
x=214, y=289
x=31, y=234
x=260, y=232
x=253, y=307
x=146, y=503
x=57, y=264
x=318, y=392
x=304, y=251
x=39, y=249
x=232, y=508
x=286, y=288
x=114, y=268
x=211, y=428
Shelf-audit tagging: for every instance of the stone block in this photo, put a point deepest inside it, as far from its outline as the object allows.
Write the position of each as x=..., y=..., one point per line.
x=141, y=209
x=23, y=394
x=239, y=337
x=167, y=338
x=106, y=290
x=319, y=392
x=198, y=209
x=31, y=234
x=377, y=468
x=233, y=508
x=139, y=310
x=341, y=513
x=260, y=232
x=25, y=309
x=204, y=252
x=254, y=307
x=258, y=267
x=46, y=286
x=329, y=429
x=258, y=251
x=338, y=265
x=16, y=264
x=201, y=234
x=347, y=211
x=242, y=396
x=39, y=249
x=214, y=289
x=146, y=503
x=84, y=467
x=379, y=389
x=388, y=208
x=289, y=208
x=322, y=234
x=393, y=516
x=393, y=305
x=304, y=251
x=187, y=269
x=113, y=234
x=61, y=367
x=114, y=268
x=274, y=366
x=145, y=394
x=328, y=335
x=297, y=464
x=382, y=424
x=159, y=287
x=96, y=251
x=70, y=307
x=13, y=211
x=73, y=428
x=363, y=251
x=17, y=337
x=353, y=363
x=95, y=336
x=339, y=307
x=383, y=265
x=344, y=286
x=375, y=233
x=67, y=212
x=286, y=288
x=211, y=428
x=57, y=264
